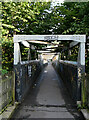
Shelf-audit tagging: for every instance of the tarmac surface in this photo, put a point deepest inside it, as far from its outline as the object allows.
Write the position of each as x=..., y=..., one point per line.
x=48, y=98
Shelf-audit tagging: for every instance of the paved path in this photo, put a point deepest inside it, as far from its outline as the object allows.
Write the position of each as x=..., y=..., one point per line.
x=48, y=99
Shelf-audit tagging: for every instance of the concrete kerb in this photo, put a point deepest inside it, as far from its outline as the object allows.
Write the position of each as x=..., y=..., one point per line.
x=85, y=113
x=9, y=111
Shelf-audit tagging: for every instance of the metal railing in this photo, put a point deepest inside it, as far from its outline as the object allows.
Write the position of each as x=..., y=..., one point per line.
x=68, y=72
x=25, y=75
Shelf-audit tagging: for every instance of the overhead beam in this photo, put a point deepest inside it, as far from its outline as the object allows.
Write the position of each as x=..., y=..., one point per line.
x=78, y=38
x=42, y=42
x=27, y=44
x=45, y=48
x=46, y=52
x=50, y=47
x=39, y=42
x=43, y=51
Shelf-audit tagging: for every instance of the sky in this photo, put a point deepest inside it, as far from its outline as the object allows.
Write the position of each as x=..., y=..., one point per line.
x=54, y=3
x=58, y=1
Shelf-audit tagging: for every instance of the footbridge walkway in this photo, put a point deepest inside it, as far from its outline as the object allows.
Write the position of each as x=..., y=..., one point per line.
x=51, y=89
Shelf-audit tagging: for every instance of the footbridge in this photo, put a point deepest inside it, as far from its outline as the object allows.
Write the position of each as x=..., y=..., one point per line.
x=43, y=85
x=26, y=71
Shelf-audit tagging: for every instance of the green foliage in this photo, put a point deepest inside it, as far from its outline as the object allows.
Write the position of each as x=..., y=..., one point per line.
x=7, y=54
x=73, y=18
x=4, y=71
x=41, y=18
x=24, y=17
x=20, y=18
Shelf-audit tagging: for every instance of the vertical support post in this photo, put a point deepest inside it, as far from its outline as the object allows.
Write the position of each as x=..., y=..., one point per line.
x=83, y=80
x=29, y=54
x=35, y=55
x=69, y=53
x=61, y=55
x=40, y=56
x=81, y=72
x=59, y=58
x=17, y=56
x=82, y=53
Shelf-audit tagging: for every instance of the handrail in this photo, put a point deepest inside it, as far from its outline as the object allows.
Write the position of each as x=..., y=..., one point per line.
x=27, y=62
x=69, y=62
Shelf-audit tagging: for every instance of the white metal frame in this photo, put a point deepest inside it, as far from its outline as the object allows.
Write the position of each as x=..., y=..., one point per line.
x=81, y=39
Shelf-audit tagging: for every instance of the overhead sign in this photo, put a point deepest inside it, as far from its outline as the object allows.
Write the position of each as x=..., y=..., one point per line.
x=51, y=37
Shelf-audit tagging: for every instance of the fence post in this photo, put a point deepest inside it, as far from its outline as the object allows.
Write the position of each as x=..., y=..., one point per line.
x=83, y=89
x=81, y=74
x=13, y=88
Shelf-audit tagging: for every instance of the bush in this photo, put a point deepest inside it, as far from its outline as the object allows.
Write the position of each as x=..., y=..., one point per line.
x=7, y=55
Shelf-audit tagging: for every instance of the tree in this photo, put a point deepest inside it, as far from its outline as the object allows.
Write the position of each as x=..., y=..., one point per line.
x=42, y=18
x=20, y=18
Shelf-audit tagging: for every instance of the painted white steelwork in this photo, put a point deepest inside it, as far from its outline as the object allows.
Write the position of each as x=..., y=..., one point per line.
x=81, y=39
x=78, y=38
x=17, y=56
x=41, y=51
x=82, y=53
